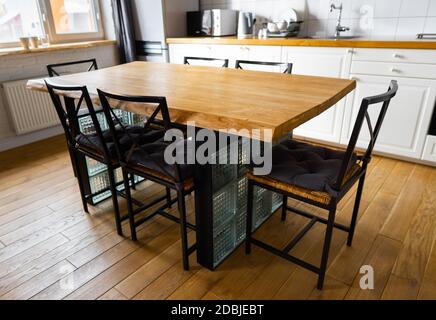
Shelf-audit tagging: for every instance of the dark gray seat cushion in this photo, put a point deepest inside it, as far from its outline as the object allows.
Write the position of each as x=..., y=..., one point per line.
x=305, y=165
x=152, y=158
x=141, y=135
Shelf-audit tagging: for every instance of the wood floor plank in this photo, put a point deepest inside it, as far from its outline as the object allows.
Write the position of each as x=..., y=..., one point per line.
x=87, y=272
x=333, y=290
x=349, y=260
x=168, y=282
x=119, y=271
x=47, y=243
x=399, y=288
x=30, y=255
x=419, y=239
x=381, y=258
x=39, y=236
x=113, y=294
x=407, y=204
x=24, y=221
x=27, y=290
x=40, y=196
x=427, y=291
x=36, y=205
x=152, y=270
x=50, y=258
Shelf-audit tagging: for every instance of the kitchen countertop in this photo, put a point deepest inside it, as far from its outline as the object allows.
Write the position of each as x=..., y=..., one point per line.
x=311, y=42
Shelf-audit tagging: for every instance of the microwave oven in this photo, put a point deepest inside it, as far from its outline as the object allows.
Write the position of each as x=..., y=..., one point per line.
x=213, y=23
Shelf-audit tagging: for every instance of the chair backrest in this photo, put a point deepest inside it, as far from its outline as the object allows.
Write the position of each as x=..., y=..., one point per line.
x=90, y=63
x=70, y=114
x=288, y=66
x=156, y=106
x=363, y=115
x=225, y=62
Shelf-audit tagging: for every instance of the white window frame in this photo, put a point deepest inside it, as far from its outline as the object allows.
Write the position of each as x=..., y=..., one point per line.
x=50, y=29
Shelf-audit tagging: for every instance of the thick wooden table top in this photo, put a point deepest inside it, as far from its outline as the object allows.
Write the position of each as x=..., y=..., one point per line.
x=219, y=98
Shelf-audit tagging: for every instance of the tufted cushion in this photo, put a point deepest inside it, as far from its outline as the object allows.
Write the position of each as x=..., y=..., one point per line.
x=155, y=161
x=92, y=141
x=307, y=166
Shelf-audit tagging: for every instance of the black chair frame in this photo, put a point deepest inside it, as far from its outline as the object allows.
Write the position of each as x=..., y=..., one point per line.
x=288, y=66
x=337, y=191
x=51, y=68
x=69, y=120
x=124, y=158
x=224, y=61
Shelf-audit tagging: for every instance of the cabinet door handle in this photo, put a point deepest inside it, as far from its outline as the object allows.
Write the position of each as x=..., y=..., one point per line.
x=395, y=70
x=397, y=56
x=350, y=51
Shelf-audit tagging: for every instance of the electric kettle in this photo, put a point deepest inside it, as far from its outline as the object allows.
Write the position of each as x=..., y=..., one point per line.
x=245, y=25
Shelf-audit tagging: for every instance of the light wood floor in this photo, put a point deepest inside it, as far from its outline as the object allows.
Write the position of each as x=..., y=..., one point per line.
x=51, y=249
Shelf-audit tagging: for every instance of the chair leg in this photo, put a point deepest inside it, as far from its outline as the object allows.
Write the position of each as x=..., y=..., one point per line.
x=284, y=208
x=326, y=249
x=132, y=181
x=183, y=229
x=169, y=198
x=249, y=225
x=129, y=205
x=355, y=211
x=74, y=157
x=115, y=200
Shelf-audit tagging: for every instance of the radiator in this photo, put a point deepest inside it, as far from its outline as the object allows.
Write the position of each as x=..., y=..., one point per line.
x=29, y=110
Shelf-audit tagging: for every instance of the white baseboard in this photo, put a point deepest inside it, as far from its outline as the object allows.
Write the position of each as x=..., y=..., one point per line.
x=18, y=141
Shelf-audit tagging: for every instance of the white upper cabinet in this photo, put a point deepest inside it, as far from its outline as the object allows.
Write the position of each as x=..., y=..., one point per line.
x=405, y=127
x=325, y=62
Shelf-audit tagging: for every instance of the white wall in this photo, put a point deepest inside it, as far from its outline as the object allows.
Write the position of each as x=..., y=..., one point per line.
x=394, y=19
x=28, y=66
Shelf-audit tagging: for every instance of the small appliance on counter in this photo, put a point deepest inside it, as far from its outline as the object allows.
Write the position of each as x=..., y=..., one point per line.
x=213, y=23
x=246, y=24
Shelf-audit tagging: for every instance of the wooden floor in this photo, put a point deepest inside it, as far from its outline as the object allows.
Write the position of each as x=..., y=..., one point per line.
x=51, y=249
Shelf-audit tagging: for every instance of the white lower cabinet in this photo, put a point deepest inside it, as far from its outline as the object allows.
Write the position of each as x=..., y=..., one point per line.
x=429, y=153
x=326, y=62
x=231, y=52
x=405, y=127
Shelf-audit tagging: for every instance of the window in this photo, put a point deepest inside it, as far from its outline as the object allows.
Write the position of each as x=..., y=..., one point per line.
x=19, y=18
x=61, y=20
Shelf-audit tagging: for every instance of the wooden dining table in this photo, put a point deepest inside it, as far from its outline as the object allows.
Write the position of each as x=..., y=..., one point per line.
x=218, y=99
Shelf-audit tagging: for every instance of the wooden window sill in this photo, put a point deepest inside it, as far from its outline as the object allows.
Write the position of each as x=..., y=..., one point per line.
x=56, y=47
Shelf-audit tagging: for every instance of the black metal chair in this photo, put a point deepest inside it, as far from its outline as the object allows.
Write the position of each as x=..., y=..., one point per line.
x=148, y=161
x=320, y=177
x=91, y=65
x=97, y=145
x=288, y=66
x=224, y=61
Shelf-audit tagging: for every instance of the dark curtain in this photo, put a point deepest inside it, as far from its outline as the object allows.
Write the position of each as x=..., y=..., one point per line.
x=124, y=30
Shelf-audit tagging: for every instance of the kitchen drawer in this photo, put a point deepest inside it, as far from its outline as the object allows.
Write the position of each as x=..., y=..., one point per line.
x=394, y=55
x=408, y=70
x=429, y=153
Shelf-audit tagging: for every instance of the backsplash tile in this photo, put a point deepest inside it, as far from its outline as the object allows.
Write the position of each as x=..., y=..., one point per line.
x=367, y=18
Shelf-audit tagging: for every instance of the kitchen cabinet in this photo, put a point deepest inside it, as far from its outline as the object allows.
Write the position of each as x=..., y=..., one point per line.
x=326, y=62
x=429, y=153
x=407, y=120
x=231, y=52
x=405, y=130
